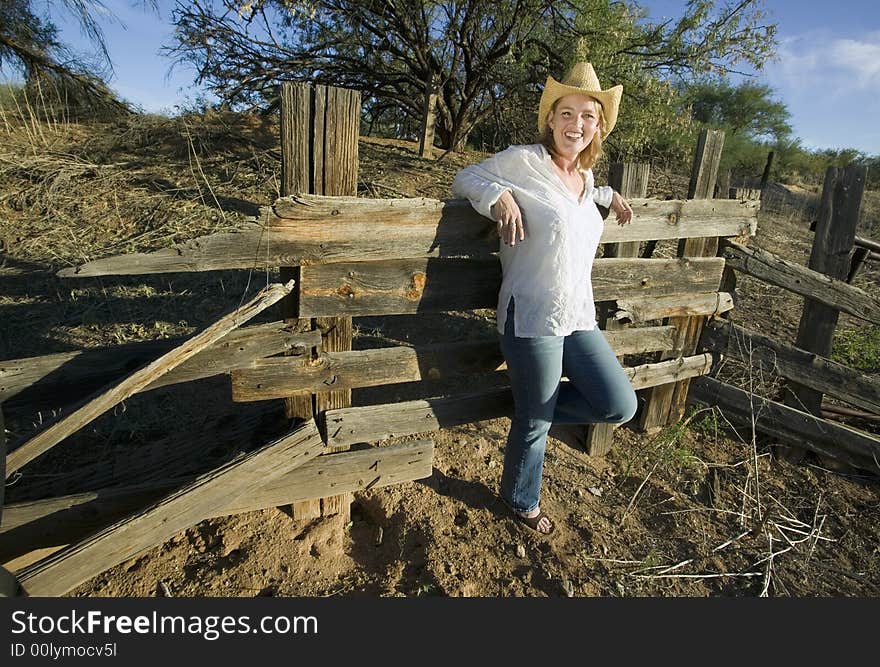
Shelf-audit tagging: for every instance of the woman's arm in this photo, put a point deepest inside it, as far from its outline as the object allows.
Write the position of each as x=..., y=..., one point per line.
x=607, y=197
x=481, y=185
x=621, y=209
x=509, y=219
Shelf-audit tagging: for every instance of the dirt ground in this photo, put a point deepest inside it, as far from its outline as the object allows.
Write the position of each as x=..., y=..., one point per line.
x=693, y=510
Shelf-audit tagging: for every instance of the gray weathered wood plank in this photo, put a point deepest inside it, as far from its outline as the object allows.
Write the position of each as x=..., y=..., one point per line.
x=799, y=429
x=799, y=279
x=704, y=172
x=153, y=525
x=830, y=255
x=97, y=405
x=801, y=366
x=869, y=244
x=376, y=422
x=646, y=309
x=64, y=520
x=303, y=111
x=52, y=377
x=631, y=181
x=437, y=285
x=339, y=229
x=395, y=219
x=279, y=377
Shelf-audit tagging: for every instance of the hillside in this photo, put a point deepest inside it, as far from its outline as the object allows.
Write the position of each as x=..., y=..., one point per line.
x=690, y=511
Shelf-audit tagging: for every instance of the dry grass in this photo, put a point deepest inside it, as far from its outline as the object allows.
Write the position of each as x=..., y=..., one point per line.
x=73, y=192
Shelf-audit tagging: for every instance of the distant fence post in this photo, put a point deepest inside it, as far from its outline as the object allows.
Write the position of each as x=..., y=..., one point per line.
x=426, y=136
x=766, y=175
x=630, y=180
x=831, y=254
x=319, y=155
x=722, y=189
x=666, y=403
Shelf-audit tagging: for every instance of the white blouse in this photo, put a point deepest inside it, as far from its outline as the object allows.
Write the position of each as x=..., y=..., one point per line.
x=547, y=274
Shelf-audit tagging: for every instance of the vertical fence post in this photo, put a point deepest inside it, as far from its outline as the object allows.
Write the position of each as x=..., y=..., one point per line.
x=765, y=176
x=339, y=144
x=426, y=136
x=319, y=148
x=630, y=180
x=722, y=189
x=831, y=254
x=666, y=403
x=296, y=111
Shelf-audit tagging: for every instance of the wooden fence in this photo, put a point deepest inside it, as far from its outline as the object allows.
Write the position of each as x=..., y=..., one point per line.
x=350, y=257
x=796, y=420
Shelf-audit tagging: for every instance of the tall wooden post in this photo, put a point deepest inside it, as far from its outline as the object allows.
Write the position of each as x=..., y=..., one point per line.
x=767, y=166
x=666, y=402
x=831, y=254
x=630, y=180
x=722, y=189
x=319, y=155
x=426, y=136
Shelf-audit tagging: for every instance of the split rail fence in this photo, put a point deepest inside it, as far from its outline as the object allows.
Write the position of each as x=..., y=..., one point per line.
x=796, y=419
x=345, y=257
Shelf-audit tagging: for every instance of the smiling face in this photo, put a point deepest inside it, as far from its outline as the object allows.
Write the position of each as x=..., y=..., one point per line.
x=574, y=122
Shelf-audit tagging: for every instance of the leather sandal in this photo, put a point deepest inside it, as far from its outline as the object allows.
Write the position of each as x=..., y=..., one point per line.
x=533, y=521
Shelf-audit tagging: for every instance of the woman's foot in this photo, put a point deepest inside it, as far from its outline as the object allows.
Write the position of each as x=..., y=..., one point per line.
x=536, y=520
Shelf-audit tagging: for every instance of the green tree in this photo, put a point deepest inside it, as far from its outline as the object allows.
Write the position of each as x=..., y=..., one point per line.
x=753, y=121
x=30, y=47
x=746, y=109
x=487, y=58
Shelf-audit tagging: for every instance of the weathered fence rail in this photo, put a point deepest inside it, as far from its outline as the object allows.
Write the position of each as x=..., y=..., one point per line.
x=376, y=422
x=805, y=368
x=53, y=523
x=304, y=230
x=31, y=382
x=814, y=285
x=795, y=421
x=789, y=425
x=140, y=379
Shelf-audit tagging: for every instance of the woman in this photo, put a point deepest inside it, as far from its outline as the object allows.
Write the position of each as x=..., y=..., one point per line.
x=544, y=202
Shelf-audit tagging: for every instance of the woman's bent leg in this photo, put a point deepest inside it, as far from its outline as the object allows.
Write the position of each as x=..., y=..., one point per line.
x=599, y=390
x=534, y=366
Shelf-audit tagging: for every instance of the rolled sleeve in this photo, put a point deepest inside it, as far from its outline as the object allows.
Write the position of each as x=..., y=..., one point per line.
x=603, y=195
x=483, y=184
x=481, y=192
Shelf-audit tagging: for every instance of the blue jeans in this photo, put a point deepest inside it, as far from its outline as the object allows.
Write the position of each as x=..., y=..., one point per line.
x=598, y=391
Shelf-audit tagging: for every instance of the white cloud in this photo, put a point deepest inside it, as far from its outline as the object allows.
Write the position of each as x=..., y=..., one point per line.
x=797, y=62
x=816, y=59
x=860, y=58
x=818, y=65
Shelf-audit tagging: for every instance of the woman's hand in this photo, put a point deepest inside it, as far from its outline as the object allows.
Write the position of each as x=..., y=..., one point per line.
x=507, y=215
x=621, y=209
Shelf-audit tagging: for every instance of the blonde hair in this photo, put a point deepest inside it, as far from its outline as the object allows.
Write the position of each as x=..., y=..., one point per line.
x=591, y=154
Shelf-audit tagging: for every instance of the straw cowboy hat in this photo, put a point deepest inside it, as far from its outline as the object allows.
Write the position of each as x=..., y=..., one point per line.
x=580, y=79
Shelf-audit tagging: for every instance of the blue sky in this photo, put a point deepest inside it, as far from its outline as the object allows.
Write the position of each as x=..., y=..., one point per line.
x=827, y=72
